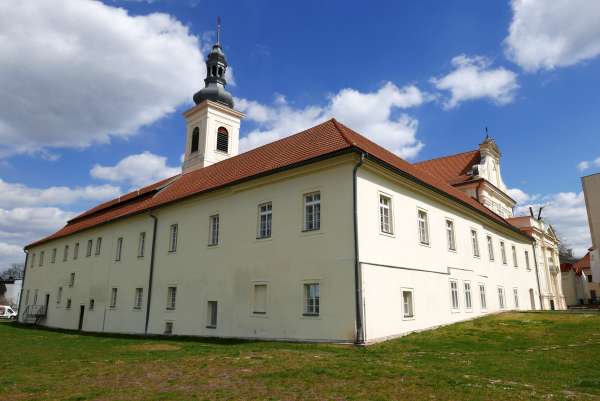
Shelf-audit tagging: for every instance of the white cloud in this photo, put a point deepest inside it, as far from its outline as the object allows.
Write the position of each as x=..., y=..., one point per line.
x=586, y=165
x=76, y=72
x=546, y=34
x=137, y=170
x=372, y=114
x=472, y=78
x=519, y=195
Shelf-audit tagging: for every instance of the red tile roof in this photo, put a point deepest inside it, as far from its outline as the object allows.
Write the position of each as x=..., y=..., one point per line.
x=583, y=263
x=453, y=169
x=323, y=140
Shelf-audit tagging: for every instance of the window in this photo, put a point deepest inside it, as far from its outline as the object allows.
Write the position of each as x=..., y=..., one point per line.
x=141, y=244
x=72, y=280
x=168, y=328
x=516, y=295
x=88, y=251
x=385, y=214
x=475, y=242
x=454, y=294
x=589, y=278
x=171, y=297
x=35, y=297
x=59, y=296
x=92, y=303
x=408, y=310
x=222, y=140
x=195, y=140
x=265, y=219
x=468, y=300
x=450, y=235
x=98, y=245
x=311, y=299
x=66, y=253
x=27, y=298
x=113, y=297
x=312, y=211
x=42, y=258
x=213, y=235
x=119, y=249
x=527, y=265
x=138, y=298
x=503, y=252
x=490, y=244
x=423, y=227
x=53, y=258
x=76, y=251
x=482, y=298
x=173, y=238
x=514, y=256
x=501, y=297
x=68, y=303
x=260, y=299
x=32, y=259
x=211, y=315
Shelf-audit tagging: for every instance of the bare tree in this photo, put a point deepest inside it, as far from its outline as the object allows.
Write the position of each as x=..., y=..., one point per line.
x=15, y=271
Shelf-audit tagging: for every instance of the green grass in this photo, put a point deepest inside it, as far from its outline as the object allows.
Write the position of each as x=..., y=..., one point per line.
x=513, y=356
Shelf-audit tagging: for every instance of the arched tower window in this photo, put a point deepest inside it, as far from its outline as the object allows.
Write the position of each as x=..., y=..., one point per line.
x=214, y=70
x=222, y=140
x=195, y=140
x=220, y=72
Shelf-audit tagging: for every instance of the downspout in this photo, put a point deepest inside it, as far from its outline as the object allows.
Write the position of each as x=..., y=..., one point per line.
x=537, y=276
x=151, y=273
x=22, y=285
x=360, y=337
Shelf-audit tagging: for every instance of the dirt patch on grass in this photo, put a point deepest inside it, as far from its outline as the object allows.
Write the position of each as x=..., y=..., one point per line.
x=153, y=347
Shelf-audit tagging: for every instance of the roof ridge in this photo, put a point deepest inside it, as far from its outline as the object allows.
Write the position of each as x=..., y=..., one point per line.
x=342, y=130
x=446, y=157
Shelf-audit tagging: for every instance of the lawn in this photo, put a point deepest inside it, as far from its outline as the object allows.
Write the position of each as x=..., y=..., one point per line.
x=512, y=356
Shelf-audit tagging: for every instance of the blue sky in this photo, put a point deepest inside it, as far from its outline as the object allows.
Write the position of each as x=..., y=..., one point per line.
x=93, y=92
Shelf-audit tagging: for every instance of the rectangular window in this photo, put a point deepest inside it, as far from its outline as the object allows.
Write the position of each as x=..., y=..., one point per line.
x=475, y=242
x=211, y=315
x=32, y=260
x=113, y=297
x=27, y=298
x=59, y=295
x=527, y=265
x=213, y=235
x=42, y=258
x=69, y=303
x=450, y=235
x=141, y=244
x=173, y=237
x=171, y=297
x=490, y=244
x=516, y=295
x=408, y=310
x=312, y=211
x=482, y=298
x=66, y=253
x=514, y=256
x=53, y=258
x=501, y=297
x=454, y=294
x=385, y=215
x=265, y=220
x=35, y=297
x=92, y=304
x=138, y=298
x=468, y=300
x=503, y=252
x=119, y=249
x=98, y=245
x=168, y=328
x=260, y=299
x=76, y=251
x=72, y=280
x=311, y=299
x=88, y=251
x=423, y=227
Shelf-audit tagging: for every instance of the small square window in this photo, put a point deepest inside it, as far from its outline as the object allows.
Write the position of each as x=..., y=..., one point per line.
x=168, y=328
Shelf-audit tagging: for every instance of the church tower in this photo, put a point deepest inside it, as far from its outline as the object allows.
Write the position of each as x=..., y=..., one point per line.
x=212, y=125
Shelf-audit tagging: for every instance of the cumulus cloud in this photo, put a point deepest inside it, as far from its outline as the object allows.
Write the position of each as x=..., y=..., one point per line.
x=544, y=35
x=586, y=165
x=520, y=196
x=376, y=115
x=137, y=170
x=77, y=72
x=473, y=78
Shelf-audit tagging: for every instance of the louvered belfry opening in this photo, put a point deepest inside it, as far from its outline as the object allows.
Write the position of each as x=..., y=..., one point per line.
x=222, y=140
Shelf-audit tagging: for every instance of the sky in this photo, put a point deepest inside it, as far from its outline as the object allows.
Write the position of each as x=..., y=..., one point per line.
x=92, y=93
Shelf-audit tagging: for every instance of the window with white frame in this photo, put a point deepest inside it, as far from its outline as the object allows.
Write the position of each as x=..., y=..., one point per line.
x=527, y=265
x=42, y=258
x=503, y=252
x=514, y=256
x=516, y=297
x=141, y=244
x=119, y=249
x=32, y=260
x=138, y=298
x=59, y=295
x=66, y=253
x=173, y=231
x=171, y=297
x=468, y=298
x=312, y=211
x=260, y=299
x=312, y=302
x=475, y=243
x=501, y=302
x=265, y=220
x=98, y=245
x=490, y=244
x=213, y=235
x=385, y=214
x=113, y=297
x=454, y=294
x=450, y=236
x=211, y=314
x=53, y=258
x=88, y=251
x=168, y=328
x=408, y=307
x=76, y=251
x=72, y=280
x=482, y=297
x=423, y=227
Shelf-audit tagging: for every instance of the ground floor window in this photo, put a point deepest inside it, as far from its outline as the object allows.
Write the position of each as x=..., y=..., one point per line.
x=92, y=302
x=501, y=298
x=138, y=298
x=260, y=299
x=516, y=295
x=211, y=316
x=312, y=299
x=113, y=298
x=171, y=297
x=468, y=299
x=408, y=308
x=482, y=297
x=168, y=328
x=454, y=294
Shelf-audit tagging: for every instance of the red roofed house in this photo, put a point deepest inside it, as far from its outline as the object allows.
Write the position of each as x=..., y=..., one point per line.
x=320, y=236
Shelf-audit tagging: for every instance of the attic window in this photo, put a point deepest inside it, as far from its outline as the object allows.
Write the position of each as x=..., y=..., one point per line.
x=195, y=140
x=222, y=140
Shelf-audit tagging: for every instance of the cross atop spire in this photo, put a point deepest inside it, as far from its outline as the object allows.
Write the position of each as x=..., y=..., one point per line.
x=219, y=31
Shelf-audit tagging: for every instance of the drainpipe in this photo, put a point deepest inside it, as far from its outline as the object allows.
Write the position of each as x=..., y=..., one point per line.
x=151, y=273
x=22, y=285
x=537, y=276
x=360, y=335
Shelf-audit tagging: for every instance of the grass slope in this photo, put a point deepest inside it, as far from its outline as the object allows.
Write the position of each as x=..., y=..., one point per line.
x=512, y=356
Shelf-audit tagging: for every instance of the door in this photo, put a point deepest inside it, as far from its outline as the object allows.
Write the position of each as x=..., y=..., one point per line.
x=81, y=313
x=532, y=299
